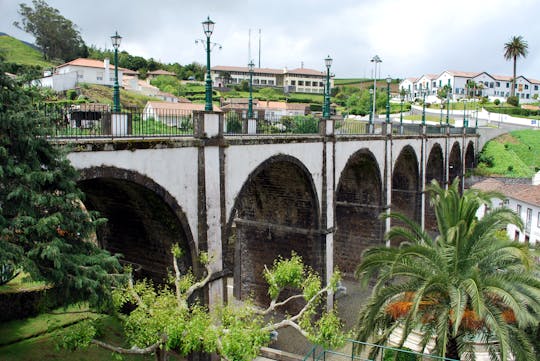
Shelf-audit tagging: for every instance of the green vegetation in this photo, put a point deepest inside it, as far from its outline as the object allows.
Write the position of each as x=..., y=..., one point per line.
x=515, y=155
x=15, y=51
x=102, y=94
x=41, y=337
x=44, y=229
x=57, y=36
x=351, y=81
x=471, y=282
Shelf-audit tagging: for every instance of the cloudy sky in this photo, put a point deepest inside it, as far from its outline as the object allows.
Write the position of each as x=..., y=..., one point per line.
x=412, y=37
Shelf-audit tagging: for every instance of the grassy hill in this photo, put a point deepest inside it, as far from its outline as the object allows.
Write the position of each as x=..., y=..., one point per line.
x=516, y=155
x=18, y=52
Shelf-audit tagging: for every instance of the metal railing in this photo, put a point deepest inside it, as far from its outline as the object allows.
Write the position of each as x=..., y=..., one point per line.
x=318, y=353
x=97, y=120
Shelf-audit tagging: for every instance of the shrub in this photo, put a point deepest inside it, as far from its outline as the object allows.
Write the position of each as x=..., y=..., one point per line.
x=71, y=94
x=496, y=102
x=513, y=100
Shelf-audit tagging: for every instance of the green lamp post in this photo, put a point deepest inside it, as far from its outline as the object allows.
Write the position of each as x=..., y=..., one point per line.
x=250, y=100
x=375, y=60
x=465, y=121
x=401, y=98
x=116, y=39
x=424, y=91
x=388, y=81
x=447, y=107
x=326, y=108
x=370, y=108
x=208, y=27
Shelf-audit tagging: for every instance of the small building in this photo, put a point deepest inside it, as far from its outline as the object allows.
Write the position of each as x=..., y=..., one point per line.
x=263, y=109
x=523, y=198
x=300, y=80
x=172, y=114
x=155, y=73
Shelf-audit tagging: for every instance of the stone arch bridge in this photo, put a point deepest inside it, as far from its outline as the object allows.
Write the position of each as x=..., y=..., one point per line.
x=249, y=199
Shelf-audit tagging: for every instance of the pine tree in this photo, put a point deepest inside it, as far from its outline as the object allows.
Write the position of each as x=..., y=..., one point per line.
x=43, y=226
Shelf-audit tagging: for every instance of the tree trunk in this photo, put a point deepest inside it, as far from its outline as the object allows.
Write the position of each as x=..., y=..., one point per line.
x=161, y=354
x=452, y=349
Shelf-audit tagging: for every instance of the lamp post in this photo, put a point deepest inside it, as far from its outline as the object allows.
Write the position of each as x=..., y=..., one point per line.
x=116, y=39
x=465, y=121
x=326, y=108
x=208, y=27
x=250, y=101
x=388, y=81
x=440, y=118
x=375, y=60
x=424, y=91
x=370, y=109
x=401, y=98
x=447, y=107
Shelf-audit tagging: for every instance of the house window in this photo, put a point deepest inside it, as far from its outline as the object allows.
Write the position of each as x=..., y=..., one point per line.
x=300, y=82
x=491, y=85
x=79, y=76
x=536, y=87
x=538, y=221
x=518, y=210
x=498, y=84
x=308, y=83
x=528, y=220
x=516, y=236
x=526, y=86
x=508, y=85
x=293, y=82
x=263, y=81
x=440, y=83
x=270, y=82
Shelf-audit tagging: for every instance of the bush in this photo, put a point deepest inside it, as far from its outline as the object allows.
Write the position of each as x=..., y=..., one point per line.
x=71, y=94
x=496, y=102
x=513, y=100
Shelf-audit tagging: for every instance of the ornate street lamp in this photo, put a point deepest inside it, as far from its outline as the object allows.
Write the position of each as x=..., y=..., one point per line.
x=465, y=121
x=116, y=39
x=375, y=60
x=250, y=101
x=401, y=98
x=424, y=91
x=370, y=108
x=208, y=27
x=447, y=107
x=388, y=81
x=326, y=108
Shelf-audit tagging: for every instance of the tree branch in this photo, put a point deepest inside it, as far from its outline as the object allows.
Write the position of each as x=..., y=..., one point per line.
x=273, y=305
x=131, y=351
x=285, y=323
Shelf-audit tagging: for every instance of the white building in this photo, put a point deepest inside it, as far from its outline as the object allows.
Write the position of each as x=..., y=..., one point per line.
x=81, y=70
x=301, y=80
x=523, y=199
x=484, y=85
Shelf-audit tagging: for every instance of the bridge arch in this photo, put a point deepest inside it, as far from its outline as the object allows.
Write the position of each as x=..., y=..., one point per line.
x=406, y=185
x=359, y=202
x=455, y=167
x=144, y=220
x=275, y=212
x=470, y=159
x=434, y=171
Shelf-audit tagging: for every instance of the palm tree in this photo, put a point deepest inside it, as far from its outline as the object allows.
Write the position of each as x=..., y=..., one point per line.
x=513, y=49
x=470, y=282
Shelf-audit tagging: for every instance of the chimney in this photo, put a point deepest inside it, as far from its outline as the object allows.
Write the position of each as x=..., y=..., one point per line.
x=107, y=75
x=536, y=179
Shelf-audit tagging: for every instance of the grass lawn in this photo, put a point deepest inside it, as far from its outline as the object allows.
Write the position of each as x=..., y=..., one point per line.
x=515, y=155
x=50, y=328
x=20, y=283
x=18, y=52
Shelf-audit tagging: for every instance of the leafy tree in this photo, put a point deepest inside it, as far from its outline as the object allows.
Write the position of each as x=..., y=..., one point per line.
x=268, y=94
x=164, y=319
x=513, y=49
x=468, y=282
x=43, y=226
x=166, y=83
x=442, y=93
x=57, y=36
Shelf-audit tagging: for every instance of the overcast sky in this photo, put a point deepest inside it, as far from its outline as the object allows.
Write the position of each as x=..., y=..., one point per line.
x=412, y=37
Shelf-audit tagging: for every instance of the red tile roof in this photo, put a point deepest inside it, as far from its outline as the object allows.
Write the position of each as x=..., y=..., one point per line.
x=90, y=63
x=522, y=192
x=161, y=72
x=164, y=108
x=244, y=69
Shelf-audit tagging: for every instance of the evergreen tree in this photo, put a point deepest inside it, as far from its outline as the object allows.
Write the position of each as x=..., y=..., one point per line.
x=57, y=36
x=43, y=226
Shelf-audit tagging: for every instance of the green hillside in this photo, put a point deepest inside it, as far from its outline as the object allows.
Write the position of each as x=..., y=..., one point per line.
x=15, y=51
x=516, y=154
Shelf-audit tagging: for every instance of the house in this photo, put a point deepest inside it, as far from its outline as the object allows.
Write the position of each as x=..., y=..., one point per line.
x=155, y=73
x=485, y=85
x=524, y=198
x=263, y=109
x=172, y=114
x=91, y=71
x=408, y=86
x=300, y=80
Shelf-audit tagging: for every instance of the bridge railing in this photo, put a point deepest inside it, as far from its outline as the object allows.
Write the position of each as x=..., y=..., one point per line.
x=271, y=124
x=97, y=120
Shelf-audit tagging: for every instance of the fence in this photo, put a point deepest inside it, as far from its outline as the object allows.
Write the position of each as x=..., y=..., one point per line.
x=97, y=120
x=385, y=353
